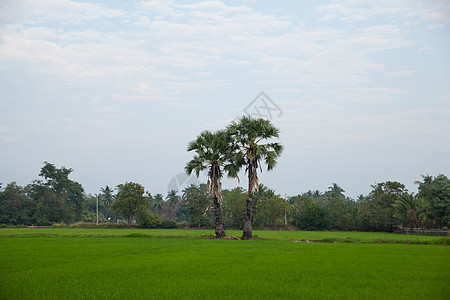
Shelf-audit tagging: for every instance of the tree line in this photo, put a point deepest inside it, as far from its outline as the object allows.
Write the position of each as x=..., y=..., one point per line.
x=388, y=207
x=243, y=145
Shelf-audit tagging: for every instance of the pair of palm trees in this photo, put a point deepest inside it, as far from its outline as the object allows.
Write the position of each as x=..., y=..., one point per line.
x=227, y=152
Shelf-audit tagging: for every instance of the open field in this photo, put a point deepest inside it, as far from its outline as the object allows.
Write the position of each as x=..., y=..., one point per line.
x=324, y=236
x=77, y=263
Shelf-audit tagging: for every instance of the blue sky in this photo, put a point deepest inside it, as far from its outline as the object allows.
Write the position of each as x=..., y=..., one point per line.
x=117, y=89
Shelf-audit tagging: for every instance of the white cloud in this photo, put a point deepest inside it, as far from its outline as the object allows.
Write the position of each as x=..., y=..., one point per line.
x=64, y=11
x=399, y=10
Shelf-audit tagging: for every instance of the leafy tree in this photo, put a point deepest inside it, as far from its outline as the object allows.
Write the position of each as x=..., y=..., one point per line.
x=197, y=199
x=272, y=211
x=147, y=219
x=436, y=195
x=68, y=193
x=307, y=215
x=248, y=134
x=341, y=211
x=15, y=206
x=377, y=213
x=214, y=153
x=130, y=200
x=234, y=207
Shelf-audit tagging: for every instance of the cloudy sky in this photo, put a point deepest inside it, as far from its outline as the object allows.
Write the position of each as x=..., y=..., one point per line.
x=116, y=89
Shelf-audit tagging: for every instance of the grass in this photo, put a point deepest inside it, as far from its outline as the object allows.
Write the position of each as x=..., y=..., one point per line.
x=321, y=236
x=157, y=268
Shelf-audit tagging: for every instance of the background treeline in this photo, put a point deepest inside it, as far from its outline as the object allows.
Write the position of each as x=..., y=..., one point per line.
x=56, y=199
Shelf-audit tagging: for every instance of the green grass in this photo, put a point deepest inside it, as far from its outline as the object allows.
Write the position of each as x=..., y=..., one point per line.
x=322, y=236
x=68, y=264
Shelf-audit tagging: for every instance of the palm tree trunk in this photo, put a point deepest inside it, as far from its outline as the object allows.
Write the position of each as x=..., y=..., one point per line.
x=247, y=232
x=220, y=230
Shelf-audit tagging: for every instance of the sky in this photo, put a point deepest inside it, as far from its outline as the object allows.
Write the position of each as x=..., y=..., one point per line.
x=116, y=90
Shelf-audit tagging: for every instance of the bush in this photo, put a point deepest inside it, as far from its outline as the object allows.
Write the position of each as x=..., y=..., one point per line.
x=59, y=225
x=83, y=225
x=3, y=225
x=168, y=224
x=310, y=216
x=147, y=219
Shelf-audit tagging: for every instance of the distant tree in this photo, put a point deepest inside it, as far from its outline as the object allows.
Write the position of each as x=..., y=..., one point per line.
x=234, y=207
x=272, y=212
x=214, y=153
x=130, y=200
x=197, y=199
x=377, y=212
x=405, y=209
x=335, y=191
x=306, y=214
x=172, y=200
x=435, y=193
x=158, y=203
x=248, y=134
x=66, y=190
x=147, y=219
x=107, y=198
x=16, y=207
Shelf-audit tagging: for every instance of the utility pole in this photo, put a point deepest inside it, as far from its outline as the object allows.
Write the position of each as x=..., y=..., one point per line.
x=97, y=209
x=285, y=216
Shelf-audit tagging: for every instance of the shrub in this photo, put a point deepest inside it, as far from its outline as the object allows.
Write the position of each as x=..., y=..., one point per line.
x=168, y=224
x=59, y=225
x=83, y=225
x=147, y=219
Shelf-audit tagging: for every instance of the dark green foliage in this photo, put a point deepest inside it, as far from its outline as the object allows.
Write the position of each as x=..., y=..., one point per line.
x=182, y=214
x=234, y=207
x=272, y=212
x=197, y=199
x=66, y=190
x=435, y=193
x=15, y=206
x=377, y=212
x=168, y=224
x=147, y=219
x=130, y=200
x=308, y=215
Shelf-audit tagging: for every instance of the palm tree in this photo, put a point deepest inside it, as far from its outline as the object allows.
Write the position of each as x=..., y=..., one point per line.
x=248, y=134
x=406, y=211
x=107, y=198
x=172, y=199
x=214, y=153
x=158, y=203
x=335, y=191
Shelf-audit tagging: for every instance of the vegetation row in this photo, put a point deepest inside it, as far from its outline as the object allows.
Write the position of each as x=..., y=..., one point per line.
x=57, y=200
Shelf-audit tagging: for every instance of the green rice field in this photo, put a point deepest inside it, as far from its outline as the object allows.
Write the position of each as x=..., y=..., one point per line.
x=185, y=264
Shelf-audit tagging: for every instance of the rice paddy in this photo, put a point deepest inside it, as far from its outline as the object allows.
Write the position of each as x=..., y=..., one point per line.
x=183, y=264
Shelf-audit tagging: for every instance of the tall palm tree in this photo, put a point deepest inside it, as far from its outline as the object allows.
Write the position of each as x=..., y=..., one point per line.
x=248, y=134
x=172, y=199
x=158, y=203
x=107, y=198
x=214, y=153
